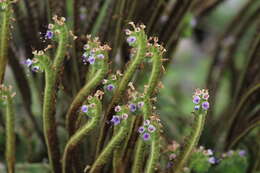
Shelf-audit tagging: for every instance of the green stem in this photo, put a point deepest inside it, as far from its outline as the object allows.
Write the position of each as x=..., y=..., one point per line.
x=192, y=142
x=108, y=150
x=77, y=138
x=154, y=153
x=4, y=39
x=49, y=104
x=141, y=48
x=71, y=116
x=152, y=83
x=138, y=159
x=10, y=136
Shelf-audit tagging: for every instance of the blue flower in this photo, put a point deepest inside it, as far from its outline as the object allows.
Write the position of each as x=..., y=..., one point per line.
x=146, y=136
x=151, y=128
x=132, y=107
x=196, y=99
x=35, y=68
x=115, y=119
x=131, y=39
x=101, y=56
x=110, y=87
x=49, y=34
x=141, y=129
x=28, y=62
x=197, y=107
x=212, y=160
x=205, y=105
x=84, y=108
x=91, y=59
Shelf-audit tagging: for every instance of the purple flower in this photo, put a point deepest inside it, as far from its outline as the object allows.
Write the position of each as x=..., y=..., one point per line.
x=172, y=156
x=35, y=68
x=242, y=153
x=101, y=56
x=205, y=96
x=115, y=119
x=110, y=87
x=91, y=59
x=212, y=160
x=84, y=108
x=117, y=108
x=196, y=99
x=151, y=128
x=131, y=39
x=49, y=34
x=146, y=122
x=28, y=62
x=196, y=108
x=205, y=105
x=146, y=136
x=132, y=107
x=140, y=104
x=141, y=129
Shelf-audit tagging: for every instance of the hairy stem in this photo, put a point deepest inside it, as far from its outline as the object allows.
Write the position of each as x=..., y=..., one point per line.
x=77, y=138
x=10, y=136
x=4, y=38
x=49, y=104
x=71, y=116
x=103, y=158
x=154, y=154
x=192, y=142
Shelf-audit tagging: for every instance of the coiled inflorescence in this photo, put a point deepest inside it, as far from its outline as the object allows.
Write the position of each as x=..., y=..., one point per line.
x=200, y=98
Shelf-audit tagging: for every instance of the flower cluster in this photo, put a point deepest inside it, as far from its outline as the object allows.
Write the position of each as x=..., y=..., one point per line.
x=146, y=130
x=32, y=64
x=121, y=114
x=55, y=29
x=111, y=83
x=200, y=98
x=88, y=109
x=94, y=51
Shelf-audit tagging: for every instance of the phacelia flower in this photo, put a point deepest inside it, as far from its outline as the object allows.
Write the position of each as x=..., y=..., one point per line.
x=205, y=96
x=212, y=160
x=91, y=59
x=169, y=164
x=131, y=39
x=101, y=56
x=28, y=62
x=84, y=108
x=242, y=153
x=117, y=108
x=205, y=105
x=151, y=128
x=35, y=68
x=115, y=119
x=132, y=107
x=124, y=116
x=140, y=104
x=146, y=136
x=141, y=129
x=196, y=99
x=49, y=34
x=146, y=122
x=110, y=87
x=197, y=107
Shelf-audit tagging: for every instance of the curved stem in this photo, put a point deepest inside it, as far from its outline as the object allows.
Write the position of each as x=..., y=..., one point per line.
x=71, y=116
x=4, y=37
x=108, y=150
x=77, y=138
x=153, y=80
x=49, y=104
x=191, y=143
x=10, y=136
x=154, y=154
x=141, y=45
